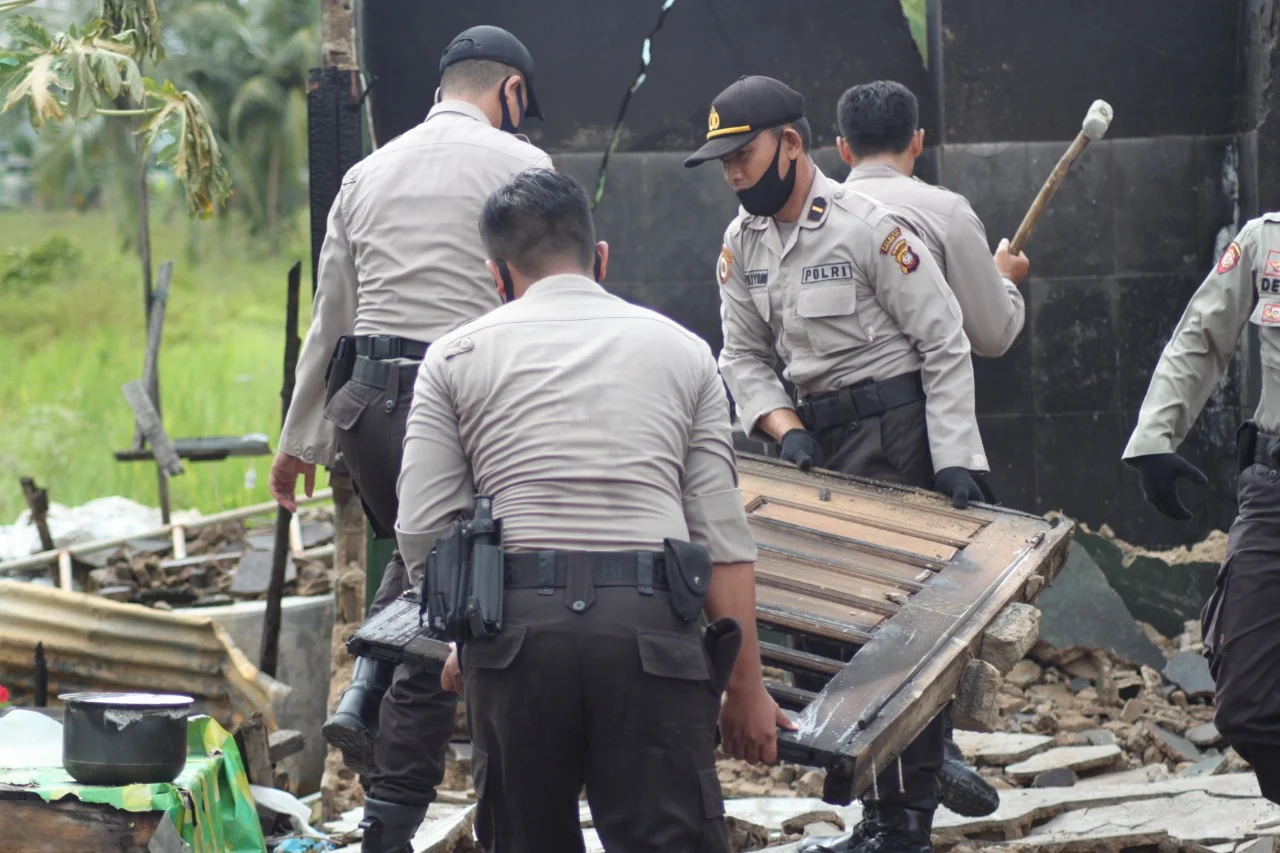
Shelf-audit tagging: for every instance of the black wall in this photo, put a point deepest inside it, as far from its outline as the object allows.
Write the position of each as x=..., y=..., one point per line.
x=1193, y=152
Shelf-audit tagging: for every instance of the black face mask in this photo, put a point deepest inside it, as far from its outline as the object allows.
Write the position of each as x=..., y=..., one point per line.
x=509, y=286
x=507, y=124
x=771, y=193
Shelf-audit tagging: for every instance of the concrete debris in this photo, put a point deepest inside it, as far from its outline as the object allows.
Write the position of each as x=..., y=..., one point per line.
x=1060, y=777
x=799, y=823
x=1024, y=674
x=1190, y=671
x=1077, y=758
x=1175, y=747
x=1140, y=776
x=1000, y=748
x=976, y=706
x=1008, y=639
x=1204, y=736
x=1099, y=737
x=1211, y=766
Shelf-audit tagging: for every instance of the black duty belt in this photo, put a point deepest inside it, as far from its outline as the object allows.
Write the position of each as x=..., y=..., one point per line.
x=376, y=373
x=855, y=403
x=1262, y=449
x=380, y=347
x=548, y=570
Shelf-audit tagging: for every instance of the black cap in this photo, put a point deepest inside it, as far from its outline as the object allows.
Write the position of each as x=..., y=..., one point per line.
x=740, y=112
x=485, y=42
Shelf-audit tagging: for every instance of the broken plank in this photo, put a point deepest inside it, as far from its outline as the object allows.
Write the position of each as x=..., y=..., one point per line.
x=788, y=696
x=854, y=532
x=35, y=826
x=825, y=581
x=793, y=659
x=881, y=512
x=149, y=423
x=255, y=749
x=802, y=545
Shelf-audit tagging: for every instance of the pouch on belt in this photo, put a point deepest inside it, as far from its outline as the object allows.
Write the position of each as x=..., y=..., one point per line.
x=688, y=575
x=723, y=641
x=341, y=362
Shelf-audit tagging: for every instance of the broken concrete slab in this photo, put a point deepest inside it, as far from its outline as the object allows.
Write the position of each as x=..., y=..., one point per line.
x=1000, y=748
x=1077, y=758
x=772, y=812
x=1099, y=737
x=1211, y=766
x=1082, y=609
x=1021, y=808
x=1059, y=777
x=1193, y=816
x=1258, y=845
x=975, y=707
x=253, y=573
x=1140, y=776
x=1190, y=671
x=316, y=533
x=1175, y=746
x=1204, y=736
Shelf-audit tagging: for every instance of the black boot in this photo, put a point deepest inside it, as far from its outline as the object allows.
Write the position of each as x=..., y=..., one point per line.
x=389, y=827
x=902, y=828
x=354, y=725
x=850, y=841
x=960, y=788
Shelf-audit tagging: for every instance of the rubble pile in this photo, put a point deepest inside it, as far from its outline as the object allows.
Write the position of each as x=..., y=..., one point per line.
x=224, y=563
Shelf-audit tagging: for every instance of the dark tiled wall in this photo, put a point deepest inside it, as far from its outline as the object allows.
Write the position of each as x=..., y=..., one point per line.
x=1121, y=249
x=1028, y=70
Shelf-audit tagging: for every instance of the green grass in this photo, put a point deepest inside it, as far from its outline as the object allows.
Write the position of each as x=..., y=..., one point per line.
x=70, y=341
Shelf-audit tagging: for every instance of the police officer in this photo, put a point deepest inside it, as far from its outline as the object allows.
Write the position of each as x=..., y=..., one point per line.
x=872, y=339
x=881, y=139
x=1239, y=620
x=601, y=431
x=401, y=265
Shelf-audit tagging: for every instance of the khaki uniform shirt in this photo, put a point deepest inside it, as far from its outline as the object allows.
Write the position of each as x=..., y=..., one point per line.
x=402, y=255
x=594, y=424
x=850, y=295
x=993, y=308
x=1244, y=287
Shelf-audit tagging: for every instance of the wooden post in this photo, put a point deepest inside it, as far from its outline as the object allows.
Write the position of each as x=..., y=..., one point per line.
x=38, y=503
x=269, y=657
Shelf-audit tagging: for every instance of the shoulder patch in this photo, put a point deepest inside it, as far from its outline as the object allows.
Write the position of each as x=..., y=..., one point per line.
x=459, y=347
x=724, y=265
x=352, y=174
x=896, y=246
x=1230, y=258
x=818, y=208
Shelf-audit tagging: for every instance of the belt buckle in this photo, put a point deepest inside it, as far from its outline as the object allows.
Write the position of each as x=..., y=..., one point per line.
x=384, y=347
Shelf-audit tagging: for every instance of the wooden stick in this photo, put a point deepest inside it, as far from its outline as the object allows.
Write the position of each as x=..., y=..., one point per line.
x=38, y=503
x=179, y=542
x=270, y=653
x=1050, y=187
x=148, y=420
x=46, y=557
x=64, y=570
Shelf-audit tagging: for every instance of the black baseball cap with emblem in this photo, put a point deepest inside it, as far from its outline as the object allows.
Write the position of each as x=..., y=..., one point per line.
x=495, y=43
x=740, y=112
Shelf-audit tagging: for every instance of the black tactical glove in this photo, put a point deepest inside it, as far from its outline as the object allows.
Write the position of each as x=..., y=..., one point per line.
x=1160, y=473
x=959, y=484
x=801, y=447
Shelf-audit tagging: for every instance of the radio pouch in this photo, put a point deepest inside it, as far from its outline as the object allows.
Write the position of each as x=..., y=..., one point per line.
x=688, y=575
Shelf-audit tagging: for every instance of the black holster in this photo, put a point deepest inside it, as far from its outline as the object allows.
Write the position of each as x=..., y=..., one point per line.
x=341, y=362
x=723, y=641
x=688, y=575
x=462, y=588
x=1246, y=445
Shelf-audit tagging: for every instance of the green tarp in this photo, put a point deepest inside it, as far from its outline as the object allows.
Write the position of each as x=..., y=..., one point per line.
x=209, y=803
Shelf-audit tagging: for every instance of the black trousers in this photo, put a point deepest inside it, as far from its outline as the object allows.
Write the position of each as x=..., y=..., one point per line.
x=415, y=721
x=1241, y=624
x=618, y=697
x=893, y=447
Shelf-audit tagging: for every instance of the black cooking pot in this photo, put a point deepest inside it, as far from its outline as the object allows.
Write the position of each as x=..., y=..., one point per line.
x=124, y=738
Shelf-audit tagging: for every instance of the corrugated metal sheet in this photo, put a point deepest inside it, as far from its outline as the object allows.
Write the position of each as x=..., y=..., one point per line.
x=91, y=643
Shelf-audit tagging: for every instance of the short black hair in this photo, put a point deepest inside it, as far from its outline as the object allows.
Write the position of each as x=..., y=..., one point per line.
x=475, y=76
x=878, y=118
x=801, y=127
x=538, y=216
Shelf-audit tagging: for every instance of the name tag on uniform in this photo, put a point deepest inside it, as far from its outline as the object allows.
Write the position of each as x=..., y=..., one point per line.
x=1269, y=285
x=827, y=272
x=756, y=278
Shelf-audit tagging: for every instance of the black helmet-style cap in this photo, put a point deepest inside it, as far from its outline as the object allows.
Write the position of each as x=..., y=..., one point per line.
x=486, y=42
x=740, y=112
